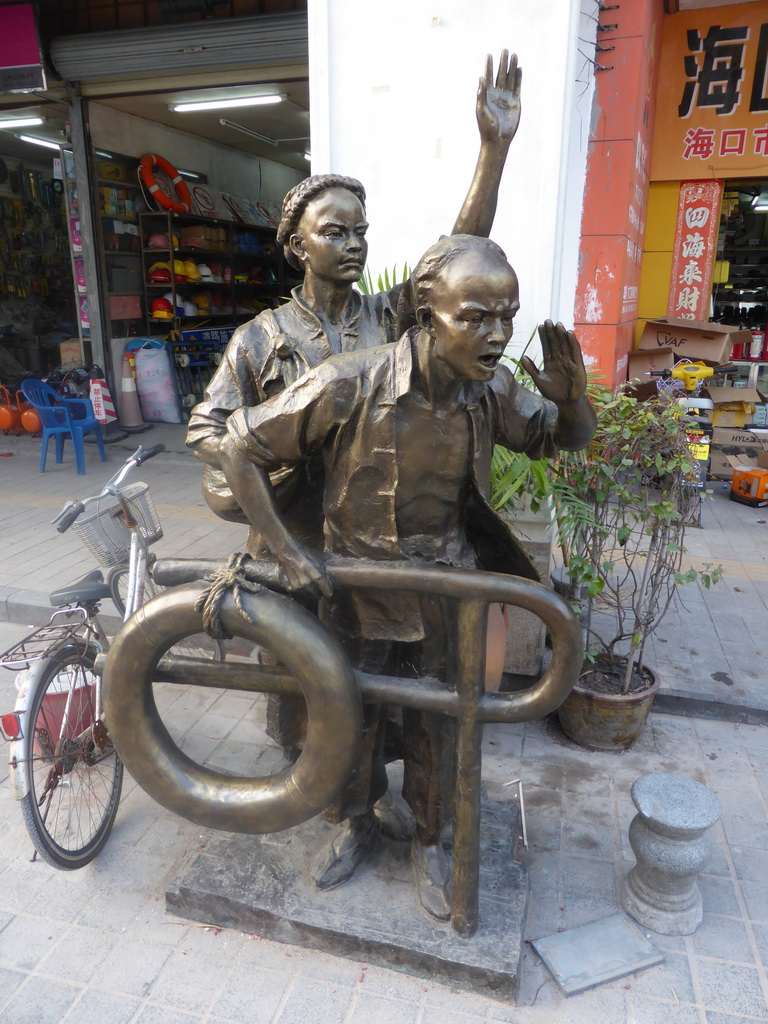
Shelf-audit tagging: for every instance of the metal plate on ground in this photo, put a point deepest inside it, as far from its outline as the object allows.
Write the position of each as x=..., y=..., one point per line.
x=261, y=884
x=601, y=951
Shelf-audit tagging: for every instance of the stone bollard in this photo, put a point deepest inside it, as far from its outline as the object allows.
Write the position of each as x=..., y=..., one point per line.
x=667, y=837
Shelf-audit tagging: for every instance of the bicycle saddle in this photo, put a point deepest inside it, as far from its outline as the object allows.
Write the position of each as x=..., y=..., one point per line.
x=90, y=588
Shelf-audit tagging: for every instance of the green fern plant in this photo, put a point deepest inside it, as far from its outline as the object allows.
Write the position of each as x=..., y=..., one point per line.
x=385, y=281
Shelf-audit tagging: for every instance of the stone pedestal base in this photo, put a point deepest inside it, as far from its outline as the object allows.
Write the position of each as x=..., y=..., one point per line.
x=261, y=884
x=668, y=838
x=646, y=908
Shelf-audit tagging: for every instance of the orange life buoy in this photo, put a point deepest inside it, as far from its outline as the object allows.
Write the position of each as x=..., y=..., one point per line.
x=147, y=165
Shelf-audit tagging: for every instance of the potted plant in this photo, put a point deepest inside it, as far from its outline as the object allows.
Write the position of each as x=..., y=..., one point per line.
x=626, y=559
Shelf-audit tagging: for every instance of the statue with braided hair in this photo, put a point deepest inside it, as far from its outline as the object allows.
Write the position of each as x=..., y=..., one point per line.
x=322, y=231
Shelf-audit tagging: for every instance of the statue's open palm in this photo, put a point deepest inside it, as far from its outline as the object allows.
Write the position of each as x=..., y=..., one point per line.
x=562, y=377
x=498, y=105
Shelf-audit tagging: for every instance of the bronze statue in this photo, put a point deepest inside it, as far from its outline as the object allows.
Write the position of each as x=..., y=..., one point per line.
x=322, y=232
x=406, y=433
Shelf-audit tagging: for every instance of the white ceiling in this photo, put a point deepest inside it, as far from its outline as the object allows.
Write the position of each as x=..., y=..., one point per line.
x=286, y=122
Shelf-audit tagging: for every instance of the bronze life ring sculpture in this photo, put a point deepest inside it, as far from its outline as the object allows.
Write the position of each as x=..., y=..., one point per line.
x=330, y=686
x=208, y=797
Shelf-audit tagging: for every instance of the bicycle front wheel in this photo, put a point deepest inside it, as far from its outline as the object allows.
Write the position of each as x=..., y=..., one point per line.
x=75, y=773
x=198, y=646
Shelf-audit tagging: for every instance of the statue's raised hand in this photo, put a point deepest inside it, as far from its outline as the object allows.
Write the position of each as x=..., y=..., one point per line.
x=563, y=377
x=498, y=106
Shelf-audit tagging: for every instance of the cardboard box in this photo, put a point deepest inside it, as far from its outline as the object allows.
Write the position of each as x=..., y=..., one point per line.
x=746, y=445
x=734, y=407
x=70, y=352
x=642, y=362
x=693, y=339
x=207, y=236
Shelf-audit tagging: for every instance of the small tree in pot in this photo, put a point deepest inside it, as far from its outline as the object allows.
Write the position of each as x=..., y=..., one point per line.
x=627, y=563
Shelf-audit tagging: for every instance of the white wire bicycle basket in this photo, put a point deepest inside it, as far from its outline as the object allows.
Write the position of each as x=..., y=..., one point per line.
x=106, y=537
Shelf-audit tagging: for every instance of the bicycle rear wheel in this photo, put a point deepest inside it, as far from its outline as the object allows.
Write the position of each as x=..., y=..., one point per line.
x=198, y=646
x=75, y=773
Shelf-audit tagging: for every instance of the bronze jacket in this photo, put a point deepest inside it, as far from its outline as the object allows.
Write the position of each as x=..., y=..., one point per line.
x=347, y=407
x=272, y=351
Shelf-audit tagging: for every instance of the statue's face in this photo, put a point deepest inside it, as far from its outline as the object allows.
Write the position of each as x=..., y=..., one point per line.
x=330, y=237
x=473, y=305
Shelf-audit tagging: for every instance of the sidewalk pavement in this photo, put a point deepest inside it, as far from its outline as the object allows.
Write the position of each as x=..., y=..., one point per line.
x=96, y=945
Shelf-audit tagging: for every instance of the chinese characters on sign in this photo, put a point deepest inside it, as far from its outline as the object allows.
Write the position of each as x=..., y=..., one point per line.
x=718, y=76
x=698, y=214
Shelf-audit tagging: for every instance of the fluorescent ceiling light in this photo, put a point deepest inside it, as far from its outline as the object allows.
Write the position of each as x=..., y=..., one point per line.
x=308, y=156
x=19, y=122
x=248, y=131
x=40, y=142
x=761, y=208
x=238, y=101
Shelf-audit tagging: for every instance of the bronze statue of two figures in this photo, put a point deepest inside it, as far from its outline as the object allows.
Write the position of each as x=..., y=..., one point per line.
x=353, y=434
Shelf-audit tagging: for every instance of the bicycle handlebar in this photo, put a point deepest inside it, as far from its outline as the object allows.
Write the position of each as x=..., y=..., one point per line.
x=68, y=515
x=73, y=509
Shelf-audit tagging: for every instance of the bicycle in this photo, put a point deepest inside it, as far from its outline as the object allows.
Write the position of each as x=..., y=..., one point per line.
x=65, y=770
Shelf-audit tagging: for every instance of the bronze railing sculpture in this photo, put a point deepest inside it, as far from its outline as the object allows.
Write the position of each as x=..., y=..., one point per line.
x=333, y=690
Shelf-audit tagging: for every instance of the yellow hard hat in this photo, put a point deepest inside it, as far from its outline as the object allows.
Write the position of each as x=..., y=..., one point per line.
x=191, y=271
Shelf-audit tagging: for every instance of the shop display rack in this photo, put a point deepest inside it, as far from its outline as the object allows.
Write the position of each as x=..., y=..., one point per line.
x=241, y=268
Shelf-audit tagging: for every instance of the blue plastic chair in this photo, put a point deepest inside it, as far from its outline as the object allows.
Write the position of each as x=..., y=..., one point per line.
x=61, y=418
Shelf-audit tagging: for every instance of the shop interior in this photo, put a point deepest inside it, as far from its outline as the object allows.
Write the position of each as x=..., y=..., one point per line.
x=184, y=279
x=740, y=291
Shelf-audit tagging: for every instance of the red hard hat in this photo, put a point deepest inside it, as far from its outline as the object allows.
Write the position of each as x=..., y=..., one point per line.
x=160, y=273
x=162, y=309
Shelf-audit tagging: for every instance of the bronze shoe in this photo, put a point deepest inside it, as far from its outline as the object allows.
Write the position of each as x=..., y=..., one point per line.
x=432, y=875
x=356, y=838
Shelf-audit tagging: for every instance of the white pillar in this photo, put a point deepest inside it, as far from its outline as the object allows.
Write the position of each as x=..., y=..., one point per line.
x=392, y=93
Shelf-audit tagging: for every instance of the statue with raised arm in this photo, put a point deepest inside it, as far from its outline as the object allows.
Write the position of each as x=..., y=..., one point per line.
x=406, y=433
x=322, y=231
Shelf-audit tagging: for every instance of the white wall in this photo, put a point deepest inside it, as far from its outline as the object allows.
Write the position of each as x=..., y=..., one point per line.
x=228, y=169
x=392, y=99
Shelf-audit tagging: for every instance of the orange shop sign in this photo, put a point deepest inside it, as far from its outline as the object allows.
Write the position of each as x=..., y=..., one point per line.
x=712, y=109
x=693, y=256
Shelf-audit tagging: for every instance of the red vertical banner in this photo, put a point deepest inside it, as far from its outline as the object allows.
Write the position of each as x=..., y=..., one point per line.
x=693, y=257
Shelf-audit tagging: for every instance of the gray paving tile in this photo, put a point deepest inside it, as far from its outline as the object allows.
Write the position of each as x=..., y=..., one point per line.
x=39, y=1001
x=178, y=983
x=26, y=940
x=670, y=980
x=582, y=875
x=760, y=932
x=155, y=1014
x=723, y=937
x=719, y=896
x=750, y=865
x=239, y=1002
x=9, y=982
x=79, y=953
x=728, y=988
x=756, y=900
x=727, y=1018
x=316, y=1002
x=375, y=1009
x=104, y=1006
x=132, y=967
x=651, y=1011
x=435, y=1017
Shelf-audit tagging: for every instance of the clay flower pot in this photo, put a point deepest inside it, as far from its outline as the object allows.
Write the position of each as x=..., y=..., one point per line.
x=606, y=721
